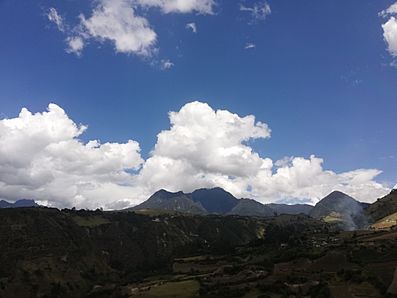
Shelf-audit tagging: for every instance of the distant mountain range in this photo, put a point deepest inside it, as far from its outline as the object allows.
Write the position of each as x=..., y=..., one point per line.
x=18, y=204
x=215, y=201
x=201, y=201
x=336, y=208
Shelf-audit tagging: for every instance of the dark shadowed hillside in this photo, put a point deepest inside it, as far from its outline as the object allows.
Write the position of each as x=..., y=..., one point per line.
x=46, y=252
x=248, y=207
x=215, y=200
x=201, y=201
x=171, y=201
x=291, y=209
x=383, y=207
x=50, y=253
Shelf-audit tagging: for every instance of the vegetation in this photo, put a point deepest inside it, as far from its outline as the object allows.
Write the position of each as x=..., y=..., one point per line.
x=77, y=253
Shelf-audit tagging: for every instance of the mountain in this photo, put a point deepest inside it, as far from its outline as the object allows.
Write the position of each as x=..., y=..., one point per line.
x=291, y=209
x=383, y=207
x=18, y=204
x=248, y=207
x=215, y=200
x=46, y=252
x=201, y=201
x=340, y=209
x=5, y=204
x=171, y=201
x=365, y=205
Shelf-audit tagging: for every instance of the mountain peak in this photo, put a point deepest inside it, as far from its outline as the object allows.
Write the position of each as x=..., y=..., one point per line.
x=250, y=207
x=215, y=200
x=213, y=189
x=165, y=194
x=340, y=208
x=337, y=194
x=171, y=201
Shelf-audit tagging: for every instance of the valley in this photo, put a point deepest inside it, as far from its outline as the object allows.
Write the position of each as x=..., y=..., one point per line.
x=172, y=246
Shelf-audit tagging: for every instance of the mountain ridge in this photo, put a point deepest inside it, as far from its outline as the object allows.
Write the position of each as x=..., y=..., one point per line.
x=23, y=203
x=171, y=201
x=336, y=208
x=291, y=209
x=215, y=201
x=383, y=207
x=250, y=207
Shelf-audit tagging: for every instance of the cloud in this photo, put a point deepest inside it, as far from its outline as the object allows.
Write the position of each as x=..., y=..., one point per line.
x=390, y=35
x=180, y=6
x=249, y=45
x=304, y=178
x=392, y=9
x=75, y=45
x=352, y=78
x=166, y=64
x=42, y=157
x=390, y=29
x=55, y=18
x=212, y=141
x=259, y=10
x=117, y=22
x=207, y=148
x=192, y=26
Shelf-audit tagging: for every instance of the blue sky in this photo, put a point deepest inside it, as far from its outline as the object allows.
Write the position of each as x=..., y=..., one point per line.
x=320, y=76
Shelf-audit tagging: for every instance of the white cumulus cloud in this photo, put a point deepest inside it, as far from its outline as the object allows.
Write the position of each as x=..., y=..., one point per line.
x=305, y=178
x=207, y=148
x=390, y=35
x=390, y=29
x=42, y=157
x=180, y=6
x=212, y=140
x=392, y=9
x=117, y=22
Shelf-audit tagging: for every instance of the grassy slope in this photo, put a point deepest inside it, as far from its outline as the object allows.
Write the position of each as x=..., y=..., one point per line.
x=386, y=222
